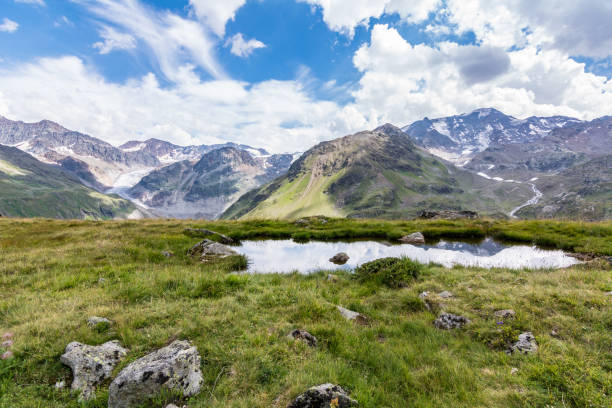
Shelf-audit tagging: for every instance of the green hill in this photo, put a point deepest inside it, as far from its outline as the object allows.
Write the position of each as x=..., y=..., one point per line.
x=378, y=173
x=30, y=188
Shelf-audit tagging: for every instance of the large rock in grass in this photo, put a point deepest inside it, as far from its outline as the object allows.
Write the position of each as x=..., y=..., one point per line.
x=354, y=316
x=174, y=368
x=208, y=250
x=324, y=396
x=526, y=344
x=416, y=238
x=91, y=364
x=299, y=334
x=448, y=321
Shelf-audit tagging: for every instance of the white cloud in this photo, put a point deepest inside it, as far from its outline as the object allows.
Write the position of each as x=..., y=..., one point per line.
x=8, y=26
x=243, y=48
x=69, y=92
x=216, y=14
x=35, y=2
x=344, y=15
x=63, y=21
x=114, y=40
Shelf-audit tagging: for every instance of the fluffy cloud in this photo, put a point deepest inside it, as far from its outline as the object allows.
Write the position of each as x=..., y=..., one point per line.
x=69, y=92
x=344, y=15
x=216, y=14
x=241, y=47
x=8, y=26
x=114, y=40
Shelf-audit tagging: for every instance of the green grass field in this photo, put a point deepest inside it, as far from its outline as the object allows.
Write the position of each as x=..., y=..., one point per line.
x=56, y=274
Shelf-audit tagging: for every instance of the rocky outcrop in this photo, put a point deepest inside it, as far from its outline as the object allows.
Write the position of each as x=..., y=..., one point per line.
x=354, y=316
x=448, y=321
x=91, y=364
x=324, y=396
x=299, y=334
x=448, y=215
x=339, y=259
x=208, y=250
x=416, y=238
x=174, y=368
x=526, y=344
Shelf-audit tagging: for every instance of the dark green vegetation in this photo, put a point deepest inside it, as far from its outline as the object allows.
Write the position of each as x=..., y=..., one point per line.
x=29, y=188
x=379, y=174
x=56, y=274
x=392, y=272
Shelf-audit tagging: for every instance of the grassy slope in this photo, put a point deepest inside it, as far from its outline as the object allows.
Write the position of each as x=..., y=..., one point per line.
x=29, y=188
x=51, y=269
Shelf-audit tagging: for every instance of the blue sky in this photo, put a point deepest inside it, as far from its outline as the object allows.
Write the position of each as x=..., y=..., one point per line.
x=285, y=74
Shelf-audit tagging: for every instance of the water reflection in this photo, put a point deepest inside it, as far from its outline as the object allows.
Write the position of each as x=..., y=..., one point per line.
x=285, y=256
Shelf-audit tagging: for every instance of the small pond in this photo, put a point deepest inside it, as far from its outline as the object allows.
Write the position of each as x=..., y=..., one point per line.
x=285, y=256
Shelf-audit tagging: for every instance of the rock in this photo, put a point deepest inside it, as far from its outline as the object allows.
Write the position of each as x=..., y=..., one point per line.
x=416, y=238
x=299, y=334
x=60, y=385
x=202, y=233
x=423, y=295
x=554, y=333
x=94, y=321
x=526, y=344
x=323, y=396
x=7, y=355
x=168, y=254
x=445, y=295
x=505, y=314
x=175, y=406
x=174, y=368
x=448, y=215
x=333, y=278
x=514, y=370
x=350, y=315
x=101, y=281
x=208, y=250
x=6, y=344
x=447, y=321
x=91, y=364
x=339, y=259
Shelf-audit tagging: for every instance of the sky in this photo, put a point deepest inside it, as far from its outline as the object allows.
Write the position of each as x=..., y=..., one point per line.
x=287, y=74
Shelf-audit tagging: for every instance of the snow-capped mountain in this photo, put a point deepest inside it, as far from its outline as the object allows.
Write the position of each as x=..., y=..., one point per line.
x=458, y=138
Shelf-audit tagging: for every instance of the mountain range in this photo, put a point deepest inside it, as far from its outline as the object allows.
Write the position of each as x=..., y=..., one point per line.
x=498, y=165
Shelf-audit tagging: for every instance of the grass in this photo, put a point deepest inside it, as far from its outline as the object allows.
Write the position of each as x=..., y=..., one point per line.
x=50, y=280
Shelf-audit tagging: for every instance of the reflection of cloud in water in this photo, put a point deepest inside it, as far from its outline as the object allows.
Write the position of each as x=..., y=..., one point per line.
x=289, y=256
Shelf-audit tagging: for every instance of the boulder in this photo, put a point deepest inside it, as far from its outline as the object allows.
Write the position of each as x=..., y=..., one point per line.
x=416, y=238
x=354, y=316
x=303, y=335
x=96, y=321
x=339, y=259
x=174, y=368
x=447, y=321
x=91, y=364
x=526, y=344
x=208, y=250
x=445, y=295
x=505, y=314
x=323, y=396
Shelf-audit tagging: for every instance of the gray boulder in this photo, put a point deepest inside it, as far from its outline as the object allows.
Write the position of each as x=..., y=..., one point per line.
x=505, y=314
x=208, y=250
x=173, y=368
x=354, y=316
x=447, y=321
x=322, y=396
x=91, y=364
x=526, y=344
x=445, y=295
x=299, y=334
x=416, y=238
x=96, y=321
x=339, y=259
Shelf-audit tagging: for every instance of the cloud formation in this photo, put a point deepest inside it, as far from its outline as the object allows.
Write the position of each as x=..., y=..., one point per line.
x=114, y=40
x=8, y=26
x=242, y=48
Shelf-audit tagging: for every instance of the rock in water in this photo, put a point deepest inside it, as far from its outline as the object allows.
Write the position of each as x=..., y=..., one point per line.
x=416, y=238
x=91, y=364
x=323, y=396
x=339, y=259
x=299, y=334
x=350, y=315
x=447, y=321
x=173, y=368
x=208, y=250
x=526, y=344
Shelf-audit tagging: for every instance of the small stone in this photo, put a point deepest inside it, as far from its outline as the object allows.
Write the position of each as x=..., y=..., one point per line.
x=299, y=334
x=94, y=321
x=7, y=336
x=333, y=278
x=6, y=344
x=416, y=238
x=60, y=385
x=423, y=295
x=174, y=368
x=514, y=370
x=322, y=396
x=7, y=355
x=354, y=316
x=554, y=333
x=445, y=295
x=168, y=254
x=526, y=344
x=447, y=321
x=91, y=364
x=505, y=314
x=339, y=259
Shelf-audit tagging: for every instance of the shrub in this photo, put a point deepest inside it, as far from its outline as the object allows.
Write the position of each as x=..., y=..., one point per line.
x=392, y=272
